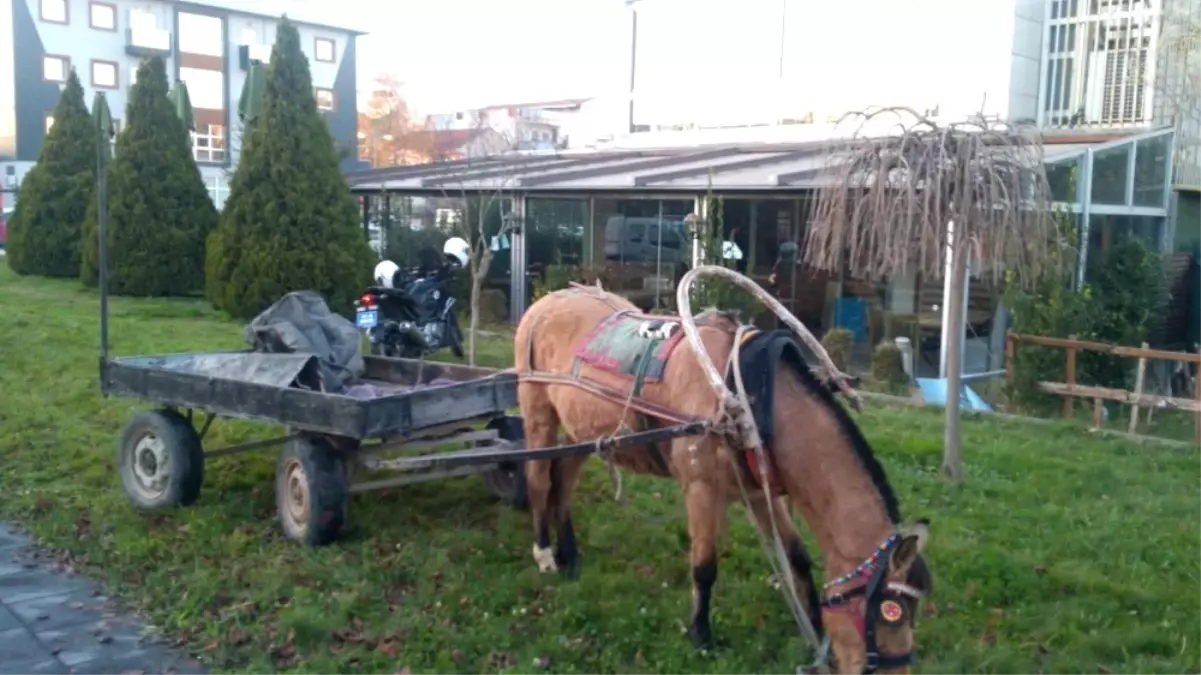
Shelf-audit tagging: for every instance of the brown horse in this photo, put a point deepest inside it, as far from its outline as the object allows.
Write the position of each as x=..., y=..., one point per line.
x=821, y=462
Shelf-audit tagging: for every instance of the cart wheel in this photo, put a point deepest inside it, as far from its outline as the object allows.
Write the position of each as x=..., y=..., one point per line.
x=508, y=480
x=160, y=460
x=311, y=491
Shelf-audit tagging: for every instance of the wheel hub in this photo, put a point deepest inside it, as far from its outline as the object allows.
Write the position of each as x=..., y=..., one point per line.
x=150, y=465
x=296, y=493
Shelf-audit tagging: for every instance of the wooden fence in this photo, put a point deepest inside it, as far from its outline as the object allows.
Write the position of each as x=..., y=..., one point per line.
x=1136, y=399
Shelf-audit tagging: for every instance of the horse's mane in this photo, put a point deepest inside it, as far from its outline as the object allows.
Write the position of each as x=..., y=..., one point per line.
x=850, y=430
x=863, y=451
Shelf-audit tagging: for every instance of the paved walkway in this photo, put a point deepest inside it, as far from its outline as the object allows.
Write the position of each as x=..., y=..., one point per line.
x=54, y=623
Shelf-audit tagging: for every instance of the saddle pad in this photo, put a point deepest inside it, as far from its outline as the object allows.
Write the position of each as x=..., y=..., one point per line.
x=621, y=342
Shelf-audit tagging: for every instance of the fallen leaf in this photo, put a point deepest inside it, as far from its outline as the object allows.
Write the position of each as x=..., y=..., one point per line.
x=388, y=648
x=404, y=671
x=639, y=659
x=211, y=646
x=1103, y=669
x=969, y=590
x=1040, y=569
x=456, y=655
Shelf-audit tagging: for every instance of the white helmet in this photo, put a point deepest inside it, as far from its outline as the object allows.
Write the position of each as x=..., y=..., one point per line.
x=384, y=273
x=458, y=249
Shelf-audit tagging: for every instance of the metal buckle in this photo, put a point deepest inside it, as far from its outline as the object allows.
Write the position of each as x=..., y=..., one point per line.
x=836, y=600
x=871, y=663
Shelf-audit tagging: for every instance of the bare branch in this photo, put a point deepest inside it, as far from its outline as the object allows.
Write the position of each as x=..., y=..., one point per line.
x=892, y=194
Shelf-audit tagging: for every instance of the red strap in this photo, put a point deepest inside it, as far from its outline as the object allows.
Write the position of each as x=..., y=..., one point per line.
x=773, y=477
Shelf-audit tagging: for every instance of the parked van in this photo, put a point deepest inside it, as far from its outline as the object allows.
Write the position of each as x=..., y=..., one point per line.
x=646, y=239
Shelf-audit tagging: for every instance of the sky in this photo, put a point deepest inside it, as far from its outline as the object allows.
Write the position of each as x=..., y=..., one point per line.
x=455, y=54
x=713, y=62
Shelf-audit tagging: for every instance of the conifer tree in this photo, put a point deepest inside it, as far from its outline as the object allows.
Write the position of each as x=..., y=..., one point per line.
x=159, y=211
x=44, y=234
x=290, y=222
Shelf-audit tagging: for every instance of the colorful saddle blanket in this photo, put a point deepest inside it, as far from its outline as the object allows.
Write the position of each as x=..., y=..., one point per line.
x=633, y=345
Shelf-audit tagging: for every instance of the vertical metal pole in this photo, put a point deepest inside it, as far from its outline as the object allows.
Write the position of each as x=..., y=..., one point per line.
x=659, y=255
x=517, y=261
x=948, y=275
x=1085, y=195
x=367, y=216
x=102, y=232
x=633, y=58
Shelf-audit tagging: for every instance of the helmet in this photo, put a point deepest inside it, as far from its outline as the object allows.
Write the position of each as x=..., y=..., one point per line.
x=384, y=273
x=457, y=249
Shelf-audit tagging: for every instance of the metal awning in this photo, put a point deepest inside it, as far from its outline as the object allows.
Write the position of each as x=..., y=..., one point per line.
x=752, y=168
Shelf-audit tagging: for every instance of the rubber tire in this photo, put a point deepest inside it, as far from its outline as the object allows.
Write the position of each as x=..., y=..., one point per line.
x=327, y=484
x=508, y=482
x=454, y=336
x=185, y=457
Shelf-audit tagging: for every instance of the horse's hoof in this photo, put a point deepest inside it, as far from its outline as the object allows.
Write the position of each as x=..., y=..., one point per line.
x=545, y=559
x=701, y=638
x=570, y=570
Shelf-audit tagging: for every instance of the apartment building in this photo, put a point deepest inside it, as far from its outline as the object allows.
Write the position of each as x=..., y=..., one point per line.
x=208, y=44
x=538, y=125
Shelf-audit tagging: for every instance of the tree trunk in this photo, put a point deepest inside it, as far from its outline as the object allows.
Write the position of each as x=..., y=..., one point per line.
x=953, y=314
x=473, y=323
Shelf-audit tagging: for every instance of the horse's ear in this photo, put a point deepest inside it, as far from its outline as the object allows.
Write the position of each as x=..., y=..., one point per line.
x=913, y=540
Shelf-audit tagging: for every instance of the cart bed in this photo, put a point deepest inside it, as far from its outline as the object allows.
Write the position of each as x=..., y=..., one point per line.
x=395, y=396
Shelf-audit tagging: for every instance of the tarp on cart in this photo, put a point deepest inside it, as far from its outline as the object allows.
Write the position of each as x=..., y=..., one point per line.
x=301, y=322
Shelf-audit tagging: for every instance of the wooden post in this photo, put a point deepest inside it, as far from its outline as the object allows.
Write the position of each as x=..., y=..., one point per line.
x=1098, y=412
x=1197, y=396
x=1069, y=379
x=1139, y=377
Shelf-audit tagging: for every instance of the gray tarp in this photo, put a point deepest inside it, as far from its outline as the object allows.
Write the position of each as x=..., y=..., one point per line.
x=276, y=370
x=301, y=322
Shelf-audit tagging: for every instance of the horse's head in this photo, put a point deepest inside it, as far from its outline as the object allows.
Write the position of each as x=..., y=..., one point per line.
x=871, y=619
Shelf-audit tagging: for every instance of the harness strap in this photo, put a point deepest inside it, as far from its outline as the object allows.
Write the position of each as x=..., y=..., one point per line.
x=644, y=422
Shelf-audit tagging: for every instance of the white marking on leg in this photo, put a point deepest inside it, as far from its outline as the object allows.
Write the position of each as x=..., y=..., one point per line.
x=545, y=559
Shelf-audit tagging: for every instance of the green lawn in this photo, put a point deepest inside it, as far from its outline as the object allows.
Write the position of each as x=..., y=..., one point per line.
x=1062, y=553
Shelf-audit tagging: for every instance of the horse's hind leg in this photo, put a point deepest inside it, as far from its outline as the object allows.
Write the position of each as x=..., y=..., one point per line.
x=541, y=423
x=798, y=558
x=565, y=477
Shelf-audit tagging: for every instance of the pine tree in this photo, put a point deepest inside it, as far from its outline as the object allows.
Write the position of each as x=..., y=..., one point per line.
x=290, y=222
x=159, y=211
x=44, y=235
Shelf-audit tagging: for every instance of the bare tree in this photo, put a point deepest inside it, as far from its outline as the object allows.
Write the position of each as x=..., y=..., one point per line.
x=899, y=202
x=488, y=212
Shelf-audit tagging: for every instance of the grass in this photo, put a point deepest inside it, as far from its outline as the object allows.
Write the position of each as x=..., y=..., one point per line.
x=1063, y=552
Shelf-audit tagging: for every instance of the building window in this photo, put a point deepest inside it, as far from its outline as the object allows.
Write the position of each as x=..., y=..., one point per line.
x=49, y=122
x=208, y=143
x=201, y=34
x=104, y=74
x=55, y=68
x=325, y=99
x=218, y=190
x=102, y=16
x=206, y=87
x=53, y=11
x=141, y=21
x=323, y=50
x=133, y=75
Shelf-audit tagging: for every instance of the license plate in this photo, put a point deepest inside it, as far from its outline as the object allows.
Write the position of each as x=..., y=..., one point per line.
x=366, y=318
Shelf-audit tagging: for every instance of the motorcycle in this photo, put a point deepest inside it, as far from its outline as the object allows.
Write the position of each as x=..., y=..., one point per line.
x=411, y=313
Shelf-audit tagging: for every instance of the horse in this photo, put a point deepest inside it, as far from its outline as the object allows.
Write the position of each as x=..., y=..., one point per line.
x=820, y=462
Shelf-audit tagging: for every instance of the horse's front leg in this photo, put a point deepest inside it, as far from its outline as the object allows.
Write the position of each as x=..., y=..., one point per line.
x=798, y=557
x=703, y=524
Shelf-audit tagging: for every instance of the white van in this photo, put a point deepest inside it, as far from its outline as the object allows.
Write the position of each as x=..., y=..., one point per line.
x=646, y=239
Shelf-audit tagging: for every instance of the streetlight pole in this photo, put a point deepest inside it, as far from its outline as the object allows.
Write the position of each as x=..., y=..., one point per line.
x=633, y=56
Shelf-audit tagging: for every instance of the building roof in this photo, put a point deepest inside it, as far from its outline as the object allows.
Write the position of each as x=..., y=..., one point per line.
x=751, y=168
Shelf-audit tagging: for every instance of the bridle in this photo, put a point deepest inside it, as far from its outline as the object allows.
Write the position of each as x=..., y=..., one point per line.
x=890, y=601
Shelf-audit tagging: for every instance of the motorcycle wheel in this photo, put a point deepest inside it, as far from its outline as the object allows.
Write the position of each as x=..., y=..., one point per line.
x=454, y=336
